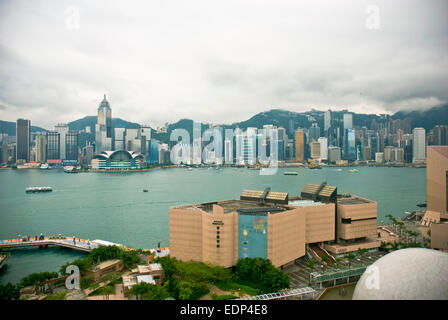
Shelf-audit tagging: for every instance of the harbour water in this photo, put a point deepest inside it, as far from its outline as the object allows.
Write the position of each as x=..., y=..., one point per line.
x=113, y=206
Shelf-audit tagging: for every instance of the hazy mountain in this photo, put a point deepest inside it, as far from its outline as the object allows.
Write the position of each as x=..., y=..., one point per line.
x=426, y=119
x=9, y=127
x=90, y=121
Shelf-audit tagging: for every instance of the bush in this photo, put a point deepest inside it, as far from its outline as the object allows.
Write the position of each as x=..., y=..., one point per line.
x=148, y=291
x=57, y=296
x=9, y=292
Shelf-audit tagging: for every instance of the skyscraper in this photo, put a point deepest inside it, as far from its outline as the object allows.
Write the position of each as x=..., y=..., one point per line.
x=53, y=145
x=103, y=127
x=71, y=145
x=23, y=140
x=62, y=129
x=4, y=153
x=348, y=121
x=419, y=154
x=327, y=120
x=314, y=132
x=300, y=145
x=105, y=116
x=350, y=148
x=323, y=148
x=41, y=148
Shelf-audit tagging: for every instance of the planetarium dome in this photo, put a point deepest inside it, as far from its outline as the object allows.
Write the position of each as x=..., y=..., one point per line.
x=406, y=274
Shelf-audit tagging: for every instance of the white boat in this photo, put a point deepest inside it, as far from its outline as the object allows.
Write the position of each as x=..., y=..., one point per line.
x=353, y=170
x=45, y=166
x=38, y=189
x=70, y=169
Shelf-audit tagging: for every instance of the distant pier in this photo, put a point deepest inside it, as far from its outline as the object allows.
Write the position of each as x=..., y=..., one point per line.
x=68, y=242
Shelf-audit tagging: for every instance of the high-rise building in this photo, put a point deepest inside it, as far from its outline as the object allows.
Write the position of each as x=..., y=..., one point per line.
x=62, y=129
x=154, y=156
x=323, y=148
x=119, y=138
x=366, y=153
x=105, y=117
x=249, y=146
x=23, y=140
x=87, y=154
x=379, y=157
x=440, y=134
x=300, y=145
x=53, y=145
x=133, y=140
x=103, y=128
x=388, y=156
x=327, y=120
x=348, y=121
x=419, y=146
x=350, y=147
x=41, y=148
x=4, y=153
x=315, y=150
x=71, y=145
x=334, y=154
x=314, y=132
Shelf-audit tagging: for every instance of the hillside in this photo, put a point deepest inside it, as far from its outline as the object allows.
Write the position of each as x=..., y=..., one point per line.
x=426, y=119
x=9, y=127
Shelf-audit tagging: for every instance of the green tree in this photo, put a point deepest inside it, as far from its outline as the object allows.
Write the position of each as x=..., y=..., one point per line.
x=35, y=278
x=9, y=291
x=83, y=264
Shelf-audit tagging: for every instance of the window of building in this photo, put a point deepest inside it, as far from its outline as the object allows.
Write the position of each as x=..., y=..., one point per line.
x=217, y=237
x=346, y=220
x=217, y=246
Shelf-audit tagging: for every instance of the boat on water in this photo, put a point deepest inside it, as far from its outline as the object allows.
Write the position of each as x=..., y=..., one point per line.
x=38, y=189
x=45, y=166
x=70, y=169
x=293, y=173
x=145, y=190
x=190, y=169
x=353, y=171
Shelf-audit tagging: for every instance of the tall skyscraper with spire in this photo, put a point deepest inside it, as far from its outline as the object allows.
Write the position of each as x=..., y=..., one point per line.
x=103, y=127
x=105, y=116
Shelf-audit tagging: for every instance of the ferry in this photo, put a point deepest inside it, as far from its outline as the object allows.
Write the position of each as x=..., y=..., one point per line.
x=38, y=189
x=45, y=166
x=70, y=169
x=353, y=171
x=292, y=173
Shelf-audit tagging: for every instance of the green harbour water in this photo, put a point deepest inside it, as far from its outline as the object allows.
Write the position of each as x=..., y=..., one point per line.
x=113, y=206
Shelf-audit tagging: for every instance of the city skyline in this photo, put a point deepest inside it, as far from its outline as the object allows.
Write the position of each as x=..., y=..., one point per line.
x=216, y=64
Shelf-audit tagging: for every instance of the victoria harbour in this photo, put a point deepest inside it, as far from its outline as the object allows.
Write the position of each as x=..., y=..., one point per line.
x=113, y=206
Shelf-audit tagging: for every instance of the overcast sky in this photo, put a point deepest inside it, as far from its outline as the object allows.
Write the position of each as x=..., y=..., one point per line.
x=218, y=61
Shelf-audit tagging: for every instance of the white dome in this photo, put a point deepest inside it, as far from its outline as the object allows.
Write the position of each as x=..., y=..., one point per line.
x=406, y=274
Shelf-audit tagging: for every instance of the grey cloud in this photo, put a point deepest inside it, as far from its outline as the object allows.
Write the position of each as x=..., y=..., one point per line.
x=218, y=61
